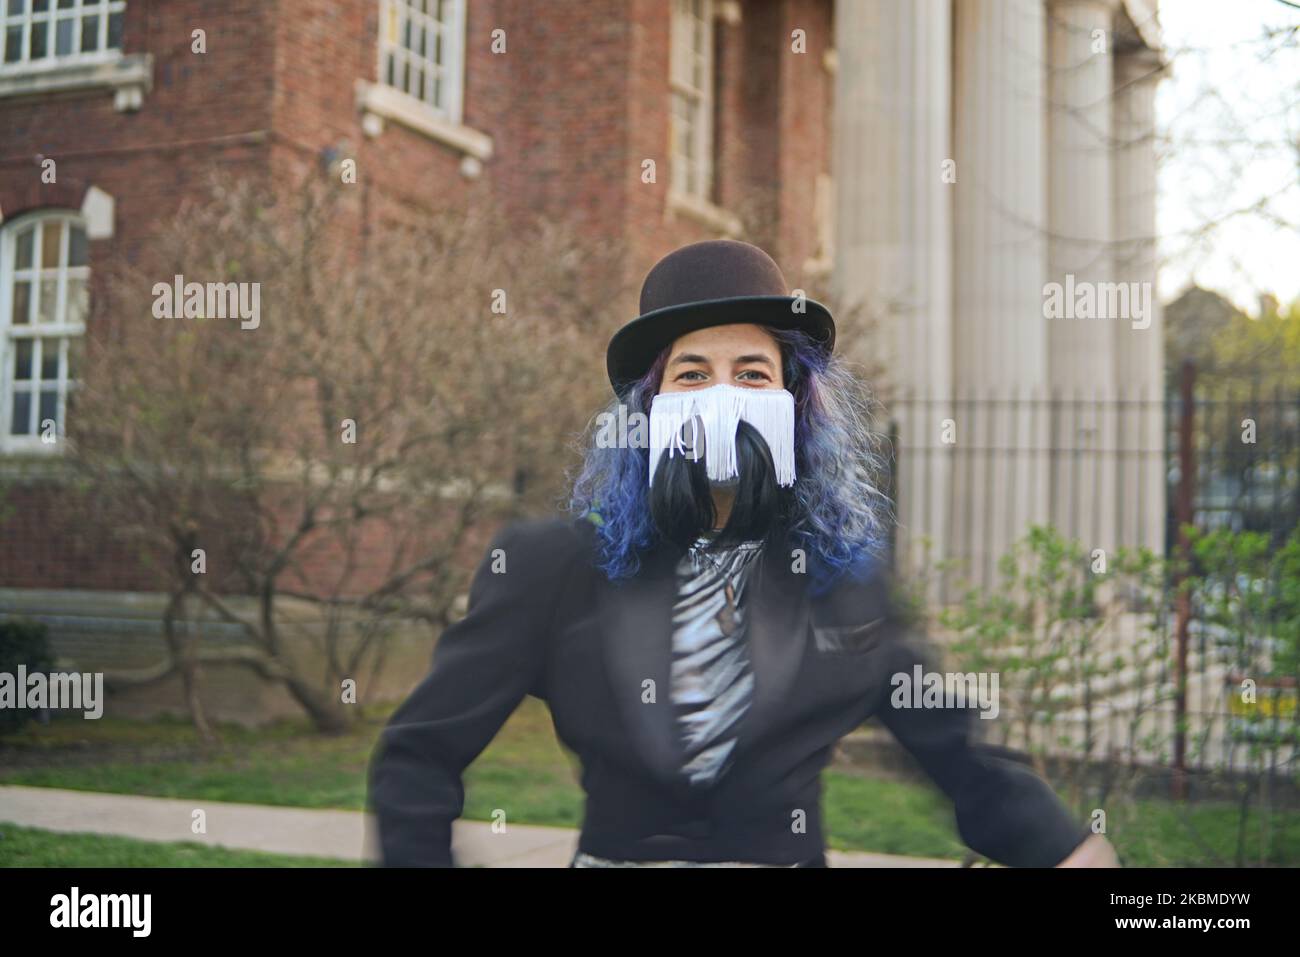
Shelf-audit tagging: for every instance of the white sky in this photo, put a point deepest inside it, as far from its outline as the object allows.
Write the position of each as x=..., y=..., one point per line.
x=1230, y=120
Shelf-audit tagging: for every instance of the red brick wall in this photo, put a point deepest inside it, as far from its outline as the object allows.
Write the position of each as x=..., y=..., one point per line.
x=204, y=109
x=772, y=136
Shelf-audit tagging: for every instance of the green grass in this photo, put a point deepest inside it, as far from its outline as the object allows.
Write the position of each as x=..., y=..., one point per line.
x=526, y=772
x=28, y=847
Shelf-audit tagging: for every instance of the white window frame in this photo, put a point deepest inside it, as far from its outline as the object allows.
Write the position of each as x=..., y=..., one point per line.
x=52, y=16
x=62, y=330
x=691, y=45
x=394, y=17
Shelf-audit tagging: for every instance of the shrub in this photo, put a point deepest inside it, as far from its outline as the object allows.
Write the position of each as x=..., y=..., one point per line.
x=22, y=643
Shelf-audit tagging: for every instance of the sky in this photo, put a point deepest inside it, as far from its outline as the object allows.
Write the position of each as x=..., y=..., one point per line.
x=1229, y=121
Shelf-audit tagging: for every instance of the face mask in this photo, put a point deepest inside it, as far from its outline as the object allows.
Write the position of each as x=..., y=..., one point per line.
x=681, y=421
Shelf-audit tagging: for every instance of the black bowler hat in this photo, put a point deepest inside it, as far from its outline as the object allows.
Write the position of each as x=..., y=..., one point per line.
x=710, y=283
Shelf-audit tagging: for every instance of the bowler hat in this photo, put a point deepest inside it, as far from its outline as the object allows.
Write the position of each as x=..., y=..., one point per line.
x=710, y=283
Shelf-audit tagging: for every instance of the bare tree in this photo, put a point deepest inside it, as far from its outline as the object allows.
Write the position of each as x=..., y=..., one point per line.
x=317, y=473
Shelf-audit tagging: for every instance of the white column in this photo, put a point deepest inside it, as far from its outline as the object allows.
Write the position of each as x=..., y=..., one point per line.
x=1139, y=366
x=1000, y=336
x=1081, y=352
x=893, y=241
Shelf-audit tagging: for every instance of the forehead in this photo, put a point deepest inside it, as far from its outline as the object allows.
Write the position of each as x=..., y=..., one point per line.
x=718, y=341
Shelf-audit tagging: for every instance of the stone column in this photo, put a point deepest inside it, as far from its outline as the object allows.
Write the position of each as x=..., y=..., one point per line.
x=893, y=236
x=1139, y=365
x=1081, y=352
x=1000, y=336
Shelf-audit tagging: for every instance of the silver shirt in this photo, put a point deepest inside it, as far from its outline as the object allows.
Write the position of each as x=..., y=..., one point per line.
x=712, y=684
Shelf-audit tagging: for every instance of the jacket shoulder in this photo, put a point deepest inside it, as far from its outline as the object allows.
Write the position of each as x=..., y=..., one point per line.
x=554, y=542
x=863, y=593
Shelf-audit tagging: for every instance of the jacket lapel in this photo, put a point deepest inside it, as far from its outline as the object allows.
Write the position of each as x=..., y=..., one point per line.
x=636, y=624
x=777, y=625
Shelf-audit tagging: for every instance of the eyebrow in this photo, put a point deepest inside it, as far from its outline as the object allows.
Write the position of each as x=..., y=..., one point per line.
x=756, y=357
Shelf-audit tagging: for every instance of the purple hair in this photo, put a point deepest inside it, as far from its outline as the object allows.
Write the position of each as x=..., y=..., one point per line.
x=840, y=515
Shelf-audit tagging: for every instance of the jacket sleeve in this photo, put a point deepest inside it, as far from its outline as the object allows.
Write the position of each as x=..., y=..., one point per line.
x=483, y=666
x=1004, y=810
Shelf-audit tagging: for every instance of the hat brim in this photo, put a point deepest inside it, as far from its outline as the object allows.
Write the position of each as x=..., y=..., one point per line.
x=633, y=348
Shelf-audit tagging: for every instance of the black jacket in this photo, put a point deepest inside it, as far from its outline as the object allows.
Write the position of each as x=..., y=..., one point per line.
x=550, y=624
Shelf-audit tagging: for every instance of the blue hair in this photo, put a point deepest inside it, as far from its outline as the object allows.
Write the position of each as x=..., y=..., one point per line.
x=840, y=516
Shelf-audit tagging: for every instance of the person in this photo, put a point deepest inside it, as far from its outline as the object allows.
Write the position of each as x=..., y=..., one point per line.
x=712, y=616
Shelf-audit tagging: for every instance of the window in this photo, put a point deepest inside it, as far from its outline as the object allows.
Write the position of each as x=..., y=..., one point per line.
x=422, y=51
x=44, y=274
x=691, y=82
x=40, y=32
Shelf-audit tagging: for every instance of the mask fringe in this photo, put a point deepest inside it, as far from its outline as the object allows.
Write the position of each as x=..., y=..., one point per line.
x=719, y=410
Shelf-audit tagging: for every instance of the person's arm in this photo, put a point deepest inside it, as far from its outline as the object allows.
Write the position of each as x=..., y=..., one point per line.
x=483, y=666
x=1004, y=810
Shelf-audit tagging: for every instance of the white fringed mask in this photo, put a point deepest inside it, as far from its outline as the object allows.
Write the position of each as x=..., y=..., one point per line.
x=679, y=420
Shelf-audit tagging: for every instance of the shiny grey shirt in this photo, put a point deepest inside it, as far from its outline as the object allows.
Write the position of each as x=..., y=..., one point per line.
x=712, y=684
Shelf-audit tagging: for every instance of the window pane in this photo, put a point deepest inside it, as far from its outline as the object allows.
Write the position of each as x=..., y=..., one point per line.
x=115, y=31
x=73, y=360
x=48, y=309
x=63, y=37
x=89, y=34
x=50, y=360
x=22, y=359
x=13, y=44
x=24, y=260
x=16, y=6
x=22, y=302
x=49, y=409
x=66, y=4
x=20, y=423
x=51, y=233
x=77, y=251
x=78, y=300
x=40, y=6
x=40, y=38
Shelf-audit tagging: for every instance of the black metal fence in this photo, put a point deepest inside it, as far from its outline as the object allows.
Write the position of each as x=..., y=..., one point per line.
x=970, y=474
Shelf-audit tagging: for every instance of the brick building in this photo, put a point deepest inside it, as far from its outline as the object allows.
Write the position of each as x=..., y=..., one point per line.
x=436, y=100
x=648, y=122
x=940, y=161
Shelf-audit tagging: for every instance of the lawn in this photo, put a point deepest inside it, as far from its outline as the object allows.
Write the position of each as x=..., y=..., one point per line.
x=27, y=847
x=526, y=771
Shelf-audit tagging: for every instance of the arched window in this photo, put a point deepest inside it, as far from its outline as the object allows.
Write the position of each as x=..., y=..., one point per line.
x=44, y=276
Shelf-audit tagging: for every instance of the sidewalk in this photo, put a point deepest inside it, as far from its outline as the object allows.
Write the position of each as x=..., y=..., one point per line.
x=283, y=830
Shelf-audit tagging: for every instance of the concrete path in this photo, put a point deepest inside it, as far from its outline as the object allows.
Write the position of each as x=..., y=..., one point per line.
x=343, y=835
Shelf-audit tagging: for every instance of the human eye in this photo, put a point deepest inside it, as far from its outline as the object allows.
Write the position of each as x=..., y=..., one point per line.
x=754, y=376
x=689, y=373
